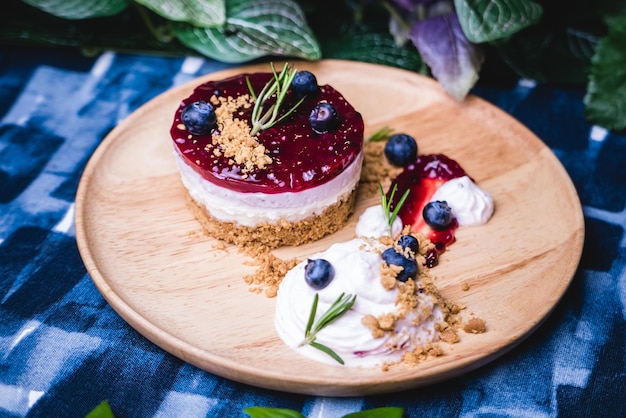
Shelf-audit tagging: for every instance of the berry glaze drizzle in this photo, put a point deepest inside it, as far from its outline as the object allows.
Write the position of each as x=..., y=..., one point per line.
x=422, y=178
x=301, y=158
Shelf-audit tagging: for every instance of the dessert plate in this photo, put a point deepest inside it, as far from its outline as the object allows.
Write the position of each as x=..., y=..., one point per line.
x=186, y=293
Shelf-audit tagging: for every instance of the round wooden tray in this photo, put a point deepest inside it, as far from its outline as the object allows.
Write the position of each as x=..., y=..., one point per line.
x=146, y=253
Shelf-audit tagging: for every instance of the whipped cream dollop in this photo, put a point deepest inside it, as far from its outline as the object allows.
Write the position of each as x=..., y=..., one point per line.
x=372, y=223
x=470, y=204
x=357, y=264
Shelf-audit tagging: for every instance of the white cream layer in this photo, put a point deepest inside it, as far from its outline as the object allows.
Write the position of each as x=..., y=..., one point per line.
x=357, y=266
x=252, y=209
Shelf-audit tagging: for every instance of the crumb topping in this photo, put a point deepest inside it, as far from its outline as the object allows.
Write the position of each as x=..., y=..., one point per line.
x=407, y=298
x=371, y=322
x=449, y=336
x=376, y=169
x=475, y=326
x=232, y=139
x=421, y=353
x=388, y=274
x=269, y=274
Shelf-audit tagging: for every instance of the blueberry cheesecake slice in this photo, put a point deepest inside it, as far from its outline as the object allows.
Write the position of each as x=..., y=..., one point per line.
x=269, y=158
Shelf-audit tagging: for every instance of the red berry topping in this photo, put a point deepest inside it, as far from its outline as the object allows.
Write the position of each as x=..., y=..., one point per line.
x=423, y=178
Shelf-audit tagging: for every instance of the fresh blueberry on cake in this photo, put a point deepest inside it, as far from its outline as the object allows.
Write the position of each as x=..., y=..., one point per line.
x=269, y=158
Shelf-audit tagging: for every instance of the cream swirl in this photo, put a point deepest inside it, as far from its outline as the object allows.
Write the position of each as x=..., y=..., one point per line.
x=470, y=204
x=357, y=265
x=373, y=224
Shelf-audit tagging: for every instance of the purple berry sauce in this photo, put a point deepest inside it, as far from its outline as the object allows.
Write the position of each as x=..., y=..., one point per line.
x=301, y=158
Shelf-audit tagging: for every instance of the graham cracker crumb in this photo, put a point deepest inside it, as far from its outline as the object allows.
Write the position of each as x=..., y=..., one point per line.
x=195, y=233
x=371, y=322
x=376, y=169
x=421, y=353
x=465, y=287
x=232, y=139
x=269, y=274
x=407, y=298
x=219, y=245
x=386, y=240
x=475, y=326
x=449, y=336
x=388, y=275
x=387, y=322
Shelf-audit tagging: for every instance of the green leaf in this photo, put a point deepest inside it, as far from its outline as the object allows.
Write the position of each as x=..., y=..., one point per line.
x=277, y=87
x=380, y=135
x=384, y=412
x=309, y=323
x=339, y=307
x=254, y=29
x=79, y=9
x=606, y=91
x=342, y=305
x=261, y=412
x=374, y=47
x=202, y=13
x=328, y=351
x=489, y=20
x=544, y=56
x=102, y=410
x=582, y=45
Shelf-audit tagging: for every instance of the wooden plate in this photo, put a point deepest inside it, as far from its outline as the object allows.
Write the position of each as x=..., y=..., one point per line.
x=146, y=254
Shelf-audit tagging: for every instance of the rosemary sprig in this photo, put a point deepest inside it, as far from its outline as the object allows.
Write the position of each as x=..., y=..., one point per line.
x=278, y=85
x=380, y=135
x=390, y=216
x=337, y=309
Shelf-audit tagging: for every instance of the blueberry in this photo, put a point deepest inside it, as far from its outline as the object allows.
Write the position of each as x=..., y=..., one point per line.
x=324, y=118
x=304, y=83
x=409, y=265
x=437, y=215
x=401, y=150
x=410, y=242
x=199, y=117
x=318, y=273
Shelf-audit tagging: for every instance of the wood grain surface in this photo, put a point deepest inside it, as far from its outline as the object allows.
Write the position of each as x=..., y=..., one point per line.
x=147, y=256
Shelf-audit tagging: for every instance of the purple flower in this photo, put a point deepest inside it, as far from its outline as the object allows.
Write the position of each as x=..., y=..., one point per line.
x=453, y=60
x=434, y=28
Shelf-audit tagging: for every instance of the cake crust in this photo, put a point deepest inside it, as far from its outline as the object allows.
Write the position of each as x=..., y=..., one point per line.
x=285, y=185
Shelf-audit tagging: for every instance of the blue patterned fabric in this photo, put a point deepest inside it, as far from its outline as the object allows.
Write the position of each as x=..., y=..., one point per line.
x=63, y=349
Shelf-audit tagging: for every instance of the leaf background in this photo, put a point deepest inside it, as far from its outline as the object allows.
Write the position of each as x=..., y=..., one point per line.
x=568, y=45
x=203, y=13
x=254, y=29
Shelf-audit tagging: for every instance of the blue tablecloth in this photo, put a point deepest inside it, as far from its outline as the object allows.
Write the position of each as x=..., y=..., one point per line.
x=63, y=349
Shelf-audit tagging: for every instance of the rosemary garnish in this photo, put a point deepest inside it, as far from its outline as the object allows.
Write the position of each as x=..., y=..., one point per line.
x=278, y=85
x=380, y=135
x=390, y=216
x=337, y=309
